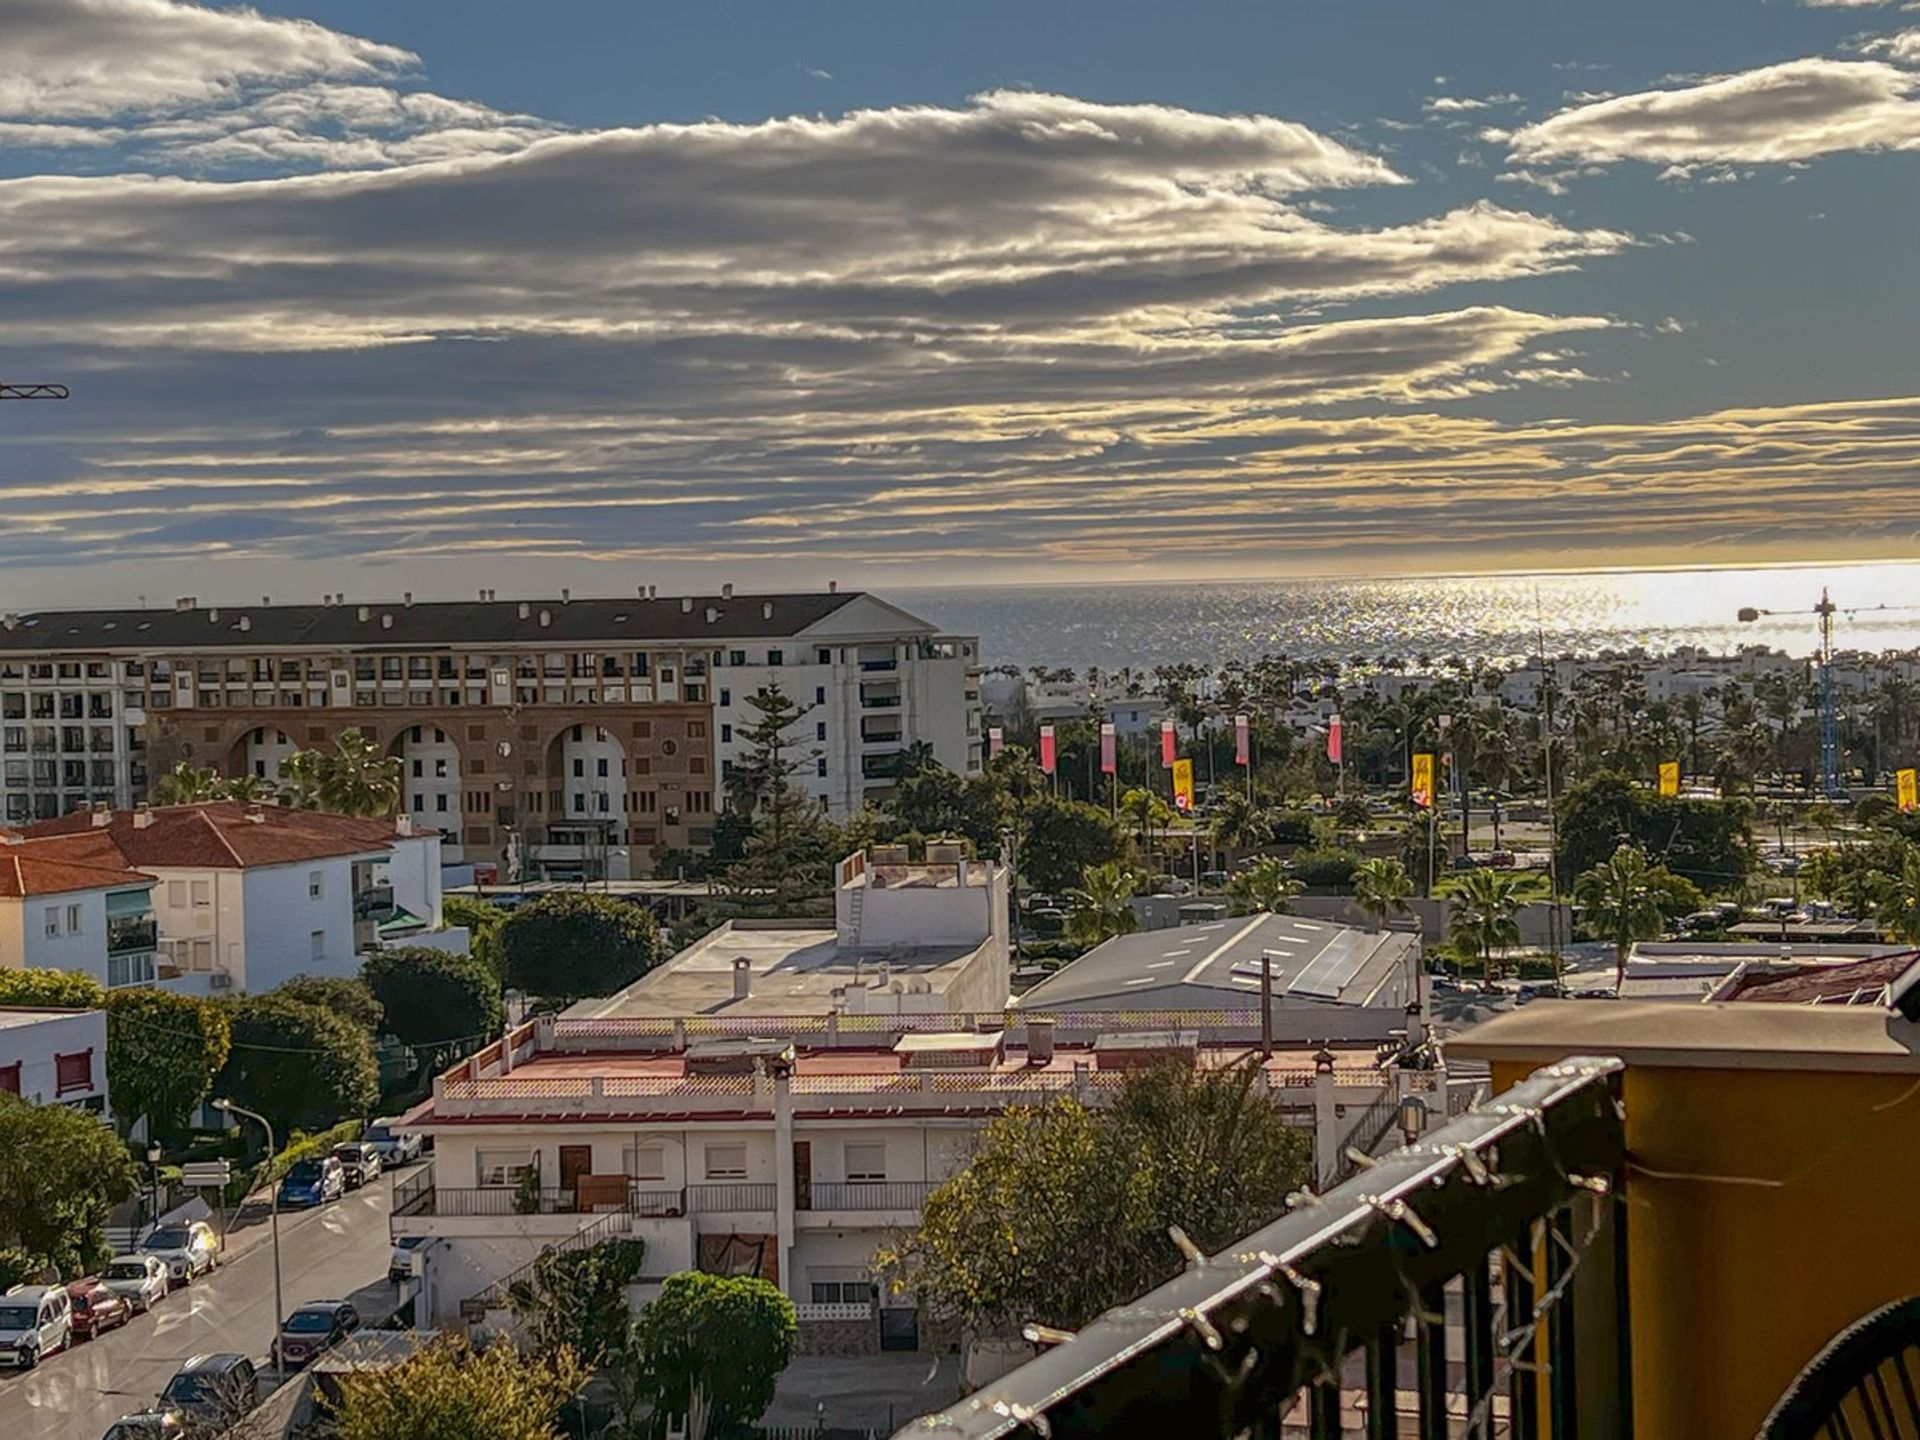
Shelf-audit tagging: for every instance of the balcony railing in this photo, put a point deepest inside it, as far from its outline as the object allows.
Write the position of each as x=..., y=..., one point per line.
x=418, y=1195
x=1510, y=1218
x=707, y=1199
x=373, y=903
x=126, y=935
x=865, y=1194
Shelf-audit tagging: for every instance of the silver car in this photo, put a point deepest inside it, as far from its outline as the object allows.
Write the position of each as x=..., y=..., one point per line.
x=140, y=1279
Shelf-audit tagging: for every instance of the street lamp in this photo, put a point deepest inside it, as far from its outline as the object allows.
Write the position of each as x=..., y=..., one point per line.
x=226, y=1106
x=153, y=1181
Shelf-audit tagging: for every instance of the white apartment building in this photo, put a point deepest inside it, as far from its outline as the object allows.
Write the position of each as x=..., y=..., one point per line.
x=223, y=896
x=72, y=732
x=54, y=1057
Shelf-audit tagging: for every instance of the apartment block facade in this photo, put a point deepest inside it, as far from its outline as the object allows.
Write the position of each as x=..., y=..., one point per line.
x=554, y=738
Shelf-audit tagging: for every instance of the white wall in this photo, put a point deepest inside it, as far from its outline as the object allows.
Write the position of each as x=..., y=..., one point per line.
x=83, y=951
x=221, y=921
x=58, y=1032
x=413, y=870
x=281, y=917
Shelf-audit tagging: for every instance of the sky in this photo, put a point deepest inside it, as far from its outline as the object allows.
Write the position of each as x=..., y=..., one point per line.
x=355, y=297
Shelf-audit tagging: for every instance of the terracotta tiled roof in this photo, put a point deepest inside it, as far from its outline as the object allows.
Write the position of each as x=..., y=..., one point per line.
x=27, y=870
x=222, y=835
x=1829, y=983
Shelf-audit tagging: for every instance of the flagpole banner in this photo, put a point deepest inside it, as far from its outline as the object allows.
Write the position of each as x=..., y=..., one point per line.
x=1242, y=740
x=1166, y=742
x=1333, y=740
x=1669, y=777
x=1046, y=748
x=1422, y=786
x=1183, y=786
x=1107, y=761
x=1907, y=787
x=996, y=737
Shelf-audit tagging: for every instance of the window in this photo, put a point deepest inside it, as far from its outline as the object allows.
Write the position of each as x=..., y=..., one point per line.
x=53, y=922
x=600, y=767
x=726, y=734
x=440, y=804
x=820, y=766
x=202, y=894
x=842, y=1292
x=649, y=1162
x=579, y=768
x=419, y=769
x=819, y=694
x=176, y=894
x=73, y=919
x=726, y=696
x=736, y=658
x=501, y=1167
x=726, y=1162
x=819, y=729
x=579, y=803
x=419, y=803
x=439, y=769
x=776, y=657
x=72, y=1072
x=866, y=1161
x=696, y=729
x=317, y=945
x=824, y=656
x=316, y=884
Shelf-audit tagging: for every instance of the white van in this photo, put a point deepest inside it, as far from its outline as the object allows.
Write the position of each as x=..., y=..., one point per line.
x=35, y=1321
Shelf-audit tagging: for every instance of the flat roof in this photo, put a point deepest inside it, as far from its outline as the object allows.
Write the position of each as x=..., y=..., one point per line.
x=1217, y=965
x=15, y=1016
x=793, y=972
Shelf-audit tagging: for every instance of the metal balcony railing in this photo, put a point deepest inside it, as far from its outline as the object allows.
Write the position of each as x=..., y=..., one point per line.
x=706, y=1199
x=865, y=1194
x=1335, y=1319
x=413, y=1195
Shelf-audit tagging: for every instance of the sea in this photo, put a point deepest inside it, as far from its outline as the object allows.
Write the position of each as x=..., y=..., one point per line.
x=1498, y=618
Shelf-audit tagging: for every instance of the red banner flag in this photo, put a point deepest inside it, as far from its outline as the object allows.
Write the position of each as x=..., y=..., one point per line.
x=1107, y=765
x=1333, y=740
x=1242, y=741
x=996, y=737
x=1046, y=748
x=1167, y=745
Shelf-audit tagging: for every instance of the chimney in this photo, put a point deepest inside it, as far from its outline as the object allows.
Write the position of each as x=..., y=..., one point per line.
x=407, y=599
x=1039, y=1040
x=386, y=620
x=526, y=610
x=833, y=587
x=726, y=591
x=12, y=622
x=686, y=604
x=186, y=602
x=246, y=623
x=653, y=592
x=102, y=814
x=712, y=614
x=142, y=817
x=566, y=596
x=265, y=601
x=742, y=977
x=366, y=612
x=766, y=610
x=213, y=617
x=403, y=824
x=546, y=618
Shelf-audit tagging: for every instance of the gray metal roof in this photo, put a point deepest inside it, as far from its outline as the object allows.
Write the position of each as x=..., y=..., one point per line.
x=1217, y=966
x=428, y=625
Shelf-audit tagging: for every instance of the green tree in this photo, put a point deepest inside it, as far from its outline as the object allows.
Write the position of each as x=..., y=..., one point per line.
x=1062, y=1212
x=1103, y=903
x=61, y=1173
x=571, y=944
x=1708, y=841
x=163, y=1051
x=187, y=784
x=447, y=1392
x=55, y=989
x=353, y=778
x=576, y=1300
x=1899, y=909
x=1485, y=906
x=786, y=860
x=1264, y=887
x=709, y=1351
x=1381, y=887
x=1621, y=902
x=347, y=996
x=299, y=1065
x=1061, y=839
x=431, y=998
x=1150, y=816
x=482, y=921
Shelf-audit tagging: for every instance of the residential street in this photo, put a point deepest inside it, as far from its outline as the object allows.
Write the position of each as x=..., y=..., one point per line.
x=325, y=1254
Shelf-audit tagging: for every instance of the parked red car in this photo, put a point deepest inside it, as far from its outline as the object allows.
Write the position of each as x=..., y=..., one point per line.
x=96, y=1309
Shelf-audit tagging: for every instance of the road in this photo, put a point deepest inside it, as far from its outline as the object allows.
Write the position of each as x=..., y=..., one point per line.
x=324, y=1254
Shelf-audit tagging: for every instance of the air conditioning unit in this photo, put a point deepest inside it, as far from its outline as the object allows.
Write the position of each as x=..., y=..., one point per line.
x=220, y=980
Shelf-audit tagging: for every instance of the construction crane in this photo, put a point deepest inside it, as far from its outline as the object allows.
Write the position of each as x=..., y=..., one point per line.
x=32, y=392
x=1829, y=708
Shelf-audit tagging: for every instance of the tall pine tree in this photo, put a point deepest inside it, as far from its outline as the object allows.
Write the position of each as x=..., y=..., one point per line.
x=787, y=859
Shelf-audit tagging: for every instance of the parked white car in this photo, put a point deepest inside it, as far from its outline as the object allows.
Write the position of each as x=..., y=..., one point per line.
x=35, y=1321
x=142, y=1279
x=396, y=1147
x=188, y=1248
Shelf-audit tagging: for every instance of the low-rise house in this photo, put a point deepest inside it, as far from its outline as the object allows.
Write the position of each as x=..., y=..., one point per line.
x=54, y=1057
x=62, y=913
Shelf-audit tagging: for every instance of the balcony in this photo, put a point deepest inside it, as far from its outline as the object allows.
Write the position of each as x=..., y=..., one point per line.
x=417, y=1195
x=374, y=902
x=716, y=1198
x=895, y=1195
x=127, y=934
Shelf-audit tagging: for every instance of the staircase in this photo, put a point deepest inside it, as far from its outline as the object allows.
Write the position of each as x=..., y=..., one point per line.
x=474, y=1308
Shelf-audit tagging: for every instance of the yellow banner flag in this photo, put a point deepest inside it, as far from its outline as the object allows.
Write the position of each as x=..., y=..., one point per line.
x=1669, y=777
x=1183, y=786
x=1423, y=780
x=1906, y=789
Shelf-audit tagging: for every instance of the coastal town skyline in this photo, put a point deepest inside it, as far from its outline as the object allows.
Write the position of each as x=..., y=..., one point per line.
x=903, y=301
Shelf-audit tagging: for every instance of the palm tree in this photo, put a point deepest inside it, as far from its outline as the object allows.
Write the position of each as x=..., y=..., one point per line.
x=1238, y=824
x=1899, y=911
x=1264, y=887
x=1381, y=887
x=1485, y=903
x=187, y=785
x=249, y=787
x=354, y=778
x=1621, y=901
x=1103, y=903
x=1148, y=813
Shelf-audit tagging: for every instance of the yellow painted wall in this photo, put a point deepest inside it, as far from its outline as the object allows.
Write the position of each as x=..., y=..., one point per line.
x=1767, y=1211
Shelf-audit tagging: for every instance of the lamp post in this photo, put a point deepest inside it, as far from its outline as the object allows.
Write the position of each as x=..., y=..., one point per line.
x=153, y=1181
x=227, y=1106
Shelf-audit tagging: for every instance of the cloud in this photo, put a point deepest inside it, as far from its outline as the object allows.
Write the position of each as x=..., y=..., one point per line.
x=1794, y=111
x=1461, y=104
x=91, y=59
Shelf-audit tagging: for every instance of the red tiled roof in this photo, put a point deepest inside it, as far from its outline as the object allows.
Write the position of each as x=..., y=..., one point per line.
x=221, y=835
x=27, y=870
x=1822, y=982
